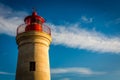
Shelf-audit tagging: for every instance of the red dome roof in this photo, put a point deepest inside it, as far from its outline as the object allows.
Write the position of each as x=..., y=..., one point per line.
x=33, y=17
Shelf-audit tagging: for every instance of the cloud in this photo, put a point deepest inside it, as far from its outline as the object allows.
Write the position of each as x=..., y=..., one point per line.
x=76, y=70
x=65, y=79
x=6, y=73
x=86, y=20
x=10, y=19
x=76, y=37
x=113, y=22
x=73, y=36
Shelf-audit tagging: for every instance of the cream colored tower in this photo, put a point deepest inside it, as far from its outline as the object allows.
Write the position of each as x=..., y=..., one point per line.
x=33, y=46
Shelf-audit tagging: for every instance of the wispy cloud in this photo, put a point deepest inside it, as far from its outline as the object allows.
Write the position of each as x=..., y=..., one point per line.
x=73, y=36
x=86, y=20
x=76, y=70
x=113, y=22
x=65, y=79
x=10, y=19
x=6, y=73
x=76, y=37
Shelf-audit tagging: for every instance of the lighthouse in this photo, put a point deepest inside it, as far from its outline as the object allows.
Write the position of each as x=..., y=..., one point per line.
x=33, y=40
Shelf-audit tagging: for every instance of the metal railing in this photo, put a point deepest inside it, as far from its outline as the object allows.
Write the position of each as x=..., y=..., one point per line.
x=22, y=27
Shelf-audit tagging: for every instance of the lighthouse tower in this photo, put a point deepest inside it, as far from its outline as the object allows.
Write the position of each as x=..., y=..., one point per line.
x=33, y=39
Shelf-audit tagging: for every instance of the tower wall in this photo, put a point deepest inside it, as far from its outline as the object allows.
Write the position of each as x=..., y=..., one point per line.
x=33, y=48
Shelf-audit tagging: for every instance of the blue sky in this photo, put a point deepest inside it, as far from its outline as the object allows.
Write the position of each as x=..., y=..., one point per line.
x=86, y=37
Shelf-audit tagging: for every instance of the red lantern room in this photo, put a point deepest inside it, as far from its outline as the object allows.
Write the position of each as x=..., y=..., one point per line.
x=34, y=23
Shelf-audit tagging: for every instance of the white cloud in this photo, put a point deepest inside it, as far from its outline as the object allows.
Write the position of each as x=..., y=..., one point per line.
x=73, y=36
x=10, y=19
x=6, y=73
x=9, y=26
x=87, y=20
x=76, y=70
x=113, y=22
x=65, y=79
x=76, y=37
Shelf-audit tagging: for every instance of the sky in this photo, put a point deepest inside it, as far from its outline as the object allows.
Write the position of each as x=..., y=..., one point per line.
x=85, y=33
